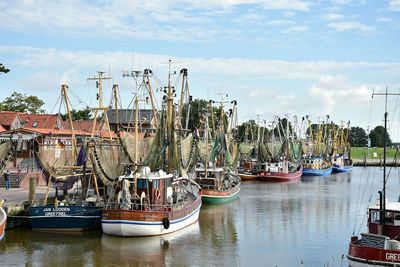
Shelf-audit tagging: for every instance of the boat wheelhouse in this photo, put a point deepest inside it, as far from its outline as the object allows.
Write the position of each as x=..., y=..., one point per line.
x=217, y=185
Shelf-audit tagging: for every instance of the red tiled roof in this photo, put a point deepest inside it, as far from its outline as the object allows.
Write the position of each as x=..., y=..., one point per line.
x=2, y=129
x=81, y=125
x=46, y=131
x=48, y=121
x=8, y=117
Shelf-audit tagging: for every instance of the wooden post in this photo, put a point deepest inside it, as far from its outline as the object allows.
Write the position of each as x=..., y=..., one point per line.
x=32, y=189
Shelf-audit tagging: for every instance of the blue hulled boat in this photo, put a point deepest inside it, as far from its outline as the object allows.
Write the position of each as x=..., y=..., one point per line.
x=64, y=218
x=342, y=164
x=316, y=166
x=317, y=172
x=337, y=168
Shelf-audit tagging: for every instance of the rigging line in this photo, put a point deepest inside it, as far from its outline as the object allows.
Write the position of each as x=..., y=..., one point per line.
x=72, y=93
x=360, y=204
x=363, y=195
x=59, y=98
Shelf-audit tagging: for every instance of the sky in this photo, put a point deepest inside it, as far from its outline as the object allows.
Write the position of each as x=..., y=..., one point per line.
x=275, y=57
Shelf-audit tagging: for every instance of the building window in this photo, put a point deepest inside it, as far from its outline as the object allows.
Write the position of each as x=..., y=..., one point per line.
x=35, y=124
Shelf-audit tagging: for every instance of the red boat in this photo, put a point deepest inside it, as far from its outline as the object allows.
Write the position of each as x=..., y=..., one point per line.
x=280, y=171
x=3, y=222
x=381, y=245
x=377, y=248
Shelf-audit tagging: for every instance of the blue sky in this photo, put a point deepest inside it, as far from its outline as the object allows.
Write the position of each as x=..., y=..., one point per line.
x=275, y=57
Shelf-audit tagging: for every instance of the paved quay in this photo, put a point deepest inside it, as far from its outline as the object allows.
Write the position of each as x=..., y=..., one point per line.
x=20, y=195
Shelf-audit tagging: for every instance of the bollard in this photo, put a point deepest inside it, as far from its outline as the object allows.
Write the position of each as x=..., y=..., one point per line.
x=32, y=189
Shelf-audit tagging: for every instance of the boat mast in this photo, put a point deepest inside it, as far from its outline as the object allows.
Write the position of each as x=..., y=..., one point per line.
x=115, y=92
x=99, y=85
x=383, y=196
x=64, y=88
x=147, y=73
x=170, y=125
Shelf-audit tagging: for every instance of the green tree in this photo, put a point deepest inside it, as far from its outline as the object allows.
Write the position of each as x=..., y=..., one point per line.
x=22, y=103
x=199, y=108
x=377, y=136
x=82, y=114
x=3, y=68
x=248, y=131
x=357, y=137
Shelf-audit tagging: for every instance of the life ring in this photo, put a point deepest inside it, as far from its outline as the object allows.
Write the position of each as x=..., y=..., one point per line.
x=157, y=194
x=165, y=223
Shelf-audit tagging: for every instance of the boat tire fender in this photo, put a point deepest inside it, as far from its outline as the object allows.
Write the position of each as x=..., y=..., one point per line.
x=157, y=194
x=166, y=223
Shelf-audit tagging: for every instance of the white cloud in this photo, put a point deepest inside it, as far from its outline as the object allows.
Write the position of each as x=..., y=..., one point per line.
x=332, y=94
x=332, y=16
x=394, y=5
x=116, y=18
x=341, y=2
x=279, y=22
x=295, y=29
x=385, y=19
x=351, y=26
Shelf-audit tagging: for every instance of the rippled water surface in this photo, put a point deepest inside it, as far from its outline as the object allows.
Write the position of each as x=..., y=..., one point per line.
x=308, y=223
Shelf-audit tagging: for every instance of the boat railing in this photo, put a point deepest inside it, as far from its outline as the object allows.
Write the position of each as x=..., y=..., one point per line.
x=146, y=207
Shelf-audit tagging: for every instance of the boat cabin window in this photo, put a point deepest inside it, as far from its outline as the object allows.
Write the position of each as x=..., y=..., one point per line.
x=142, y=184
x=156, y=184
x=375, y=216
x=389, y=217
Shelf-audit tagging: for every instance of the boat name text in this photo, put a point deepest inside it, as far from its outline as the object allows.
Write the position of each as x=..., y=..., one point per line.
x=61, y=211
x=392, y=257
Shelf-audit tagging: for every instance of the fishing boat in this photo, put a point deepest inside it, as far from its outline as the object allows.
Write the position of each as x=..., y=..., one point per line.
x=281, y=171
x=283, y=164
x=249, y=164
x=64, y=164
x=218, y=185
x=342, y=163
x=341, y=160
x=216, y=170
x=380, y=246
x=3, y=222
x=146, y=200
x=316, y=159
x=166, y=204
x=316, y=166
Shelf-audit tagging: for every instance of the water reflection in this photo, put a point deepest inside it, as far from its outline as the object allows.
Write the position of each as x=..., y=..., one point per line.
x=171, y=249
x=218, y=231
x=25, y=247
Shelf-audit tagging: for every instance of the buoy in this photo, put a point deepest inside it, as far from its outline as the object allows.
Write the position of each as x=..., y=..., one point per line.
x=165, y=223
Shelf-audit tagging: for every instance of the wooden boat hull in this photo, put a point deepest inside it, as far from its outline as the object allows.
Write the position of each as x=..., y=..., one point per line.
x=247, y=176
x=148, y=223
x=280, y=176
x=361, y=255
x=214, y=196
x=317, y=172
x=64, y=218
x=3, y=222
x=341, y=168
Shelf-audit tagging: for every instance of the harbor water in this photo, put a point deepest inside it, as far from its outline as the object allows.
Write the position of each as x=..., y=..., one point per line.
x=307, y=223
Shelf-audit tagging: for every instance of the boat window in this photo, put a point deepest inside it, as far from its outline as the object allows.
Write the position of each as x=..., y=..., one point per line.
x=156, y=184
x=389, y=217
x=375, y=216
x=142, y=184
